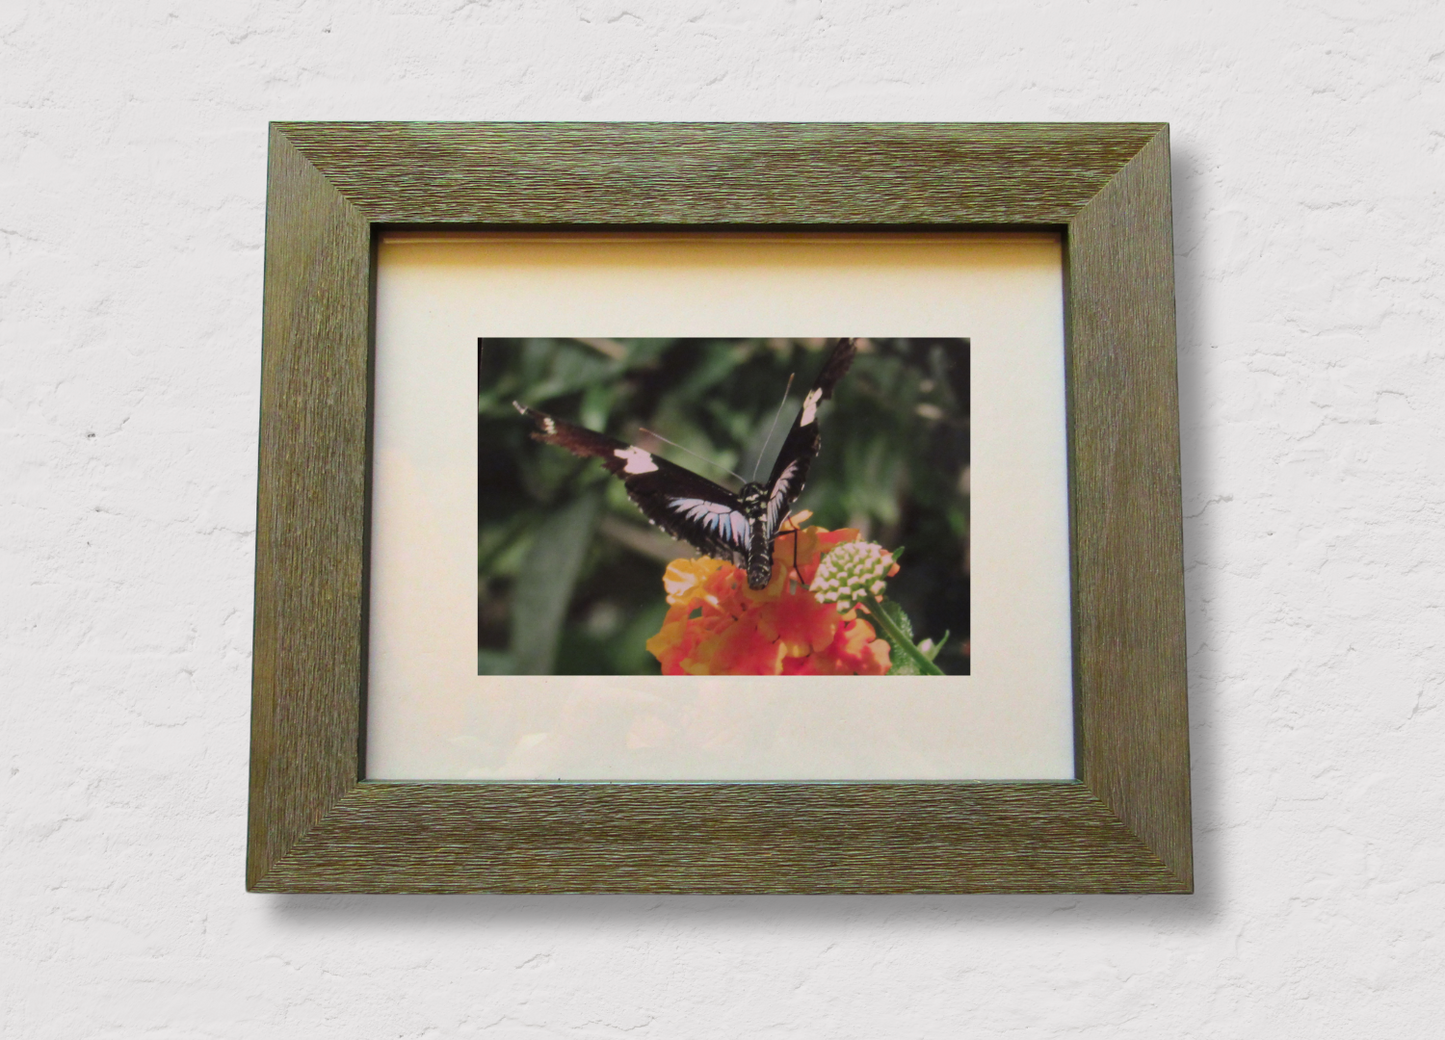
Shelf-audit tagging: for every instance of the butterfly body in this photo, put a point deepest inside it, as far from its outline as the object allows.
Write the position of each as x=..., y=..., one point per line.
x=754, y=500
x=737, y=526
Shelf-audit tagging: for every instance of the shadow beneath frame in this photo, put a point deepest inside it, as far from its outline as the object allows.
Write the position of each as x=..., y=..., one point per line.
x=1198, y=450
x=1050, y=912
x=754, y=912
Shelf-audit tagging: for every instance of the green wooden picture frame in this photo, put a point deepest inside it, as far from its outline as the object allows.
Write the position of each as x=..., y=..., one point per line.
x=316, y=825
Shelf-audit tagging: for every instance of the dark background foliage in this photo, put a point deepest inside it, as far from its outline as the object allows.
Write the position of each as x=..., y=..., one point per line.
x=569, y=572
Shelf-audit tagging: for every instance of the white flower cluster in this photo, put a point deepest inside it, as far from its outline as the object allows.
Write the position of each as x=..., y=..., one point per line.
x=850, y=572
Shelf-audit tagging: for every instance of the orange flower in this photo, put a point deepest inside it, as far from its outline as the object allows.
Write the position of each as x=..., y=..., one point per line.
x=717, y=625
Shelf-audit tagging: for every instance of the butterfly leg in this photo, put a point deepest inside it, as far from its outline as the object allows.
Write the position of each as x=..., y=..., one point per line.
x=793, y=530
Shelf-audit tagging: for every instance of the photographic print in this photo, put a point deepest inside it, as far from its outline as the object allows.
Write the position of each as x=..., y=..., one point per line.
x=731, y=506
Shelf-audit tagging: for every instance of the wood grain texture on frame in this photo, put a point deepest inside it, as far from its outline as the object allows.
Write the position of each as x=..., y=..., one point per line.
x=1122, y=826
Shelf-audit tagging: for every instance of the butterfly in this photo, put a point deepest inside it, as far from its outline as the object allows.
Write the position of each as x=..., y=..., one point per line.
x=740, y=526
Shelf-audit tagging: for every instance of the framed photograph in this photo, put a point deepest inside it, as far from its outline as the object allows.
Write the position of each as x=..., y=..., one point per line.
x=726, y=508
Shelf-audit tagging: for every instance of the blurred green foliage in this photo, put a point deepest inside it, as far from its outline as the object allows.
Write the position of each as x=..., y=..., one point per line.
x=570, y=573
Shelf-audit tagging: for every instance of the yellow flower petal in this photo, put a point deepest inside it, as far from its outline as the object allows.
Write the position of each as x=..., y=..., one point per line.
x=684, y=579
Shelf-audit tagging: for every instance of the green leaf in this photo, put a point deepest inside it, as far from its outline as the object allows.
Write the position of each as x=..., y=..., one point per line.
x=494, y=662
x=903, y=663
x=898, y=617
x=892, y=625
x=629, y=650
x=545, y=581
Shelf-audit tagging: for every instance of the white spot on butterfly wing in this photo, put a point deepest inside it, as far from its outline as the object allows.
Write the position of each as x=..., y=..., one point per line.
x=637, y=460
x=781, y=487
x=810, y=406
x=738, y=525
x=721, y=520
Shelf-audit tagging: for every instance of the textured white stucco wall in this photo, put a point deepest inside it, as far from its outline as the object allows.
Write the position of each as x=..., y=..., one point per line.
x=1309, y=159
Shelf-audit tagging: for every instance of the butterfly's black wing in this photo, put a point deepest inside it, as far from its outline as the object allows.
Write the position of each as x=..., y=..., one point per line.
x=801, y=446
x=688, y=507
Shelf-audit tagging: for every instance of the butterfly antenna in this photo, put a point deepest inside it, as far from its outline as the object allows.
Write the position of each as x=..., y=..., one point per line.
x=694, y=454
x=774, y=426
